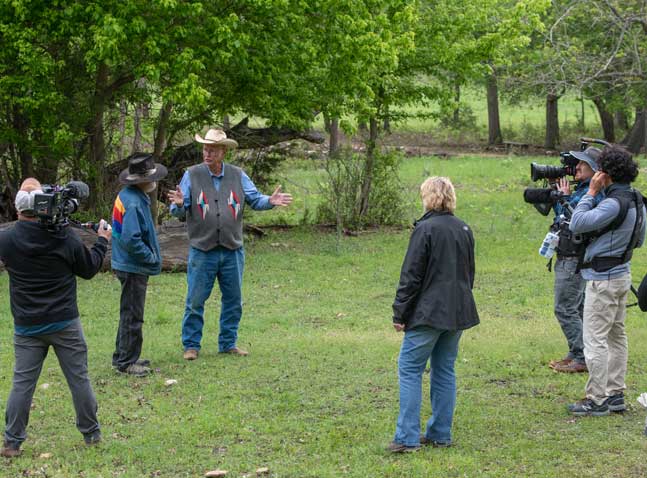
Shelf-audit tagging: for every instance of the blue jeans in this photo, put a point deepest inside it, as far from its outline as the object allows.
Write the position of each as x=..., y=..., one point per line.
x=440, y=347
x=569, y=305
x=203, y=269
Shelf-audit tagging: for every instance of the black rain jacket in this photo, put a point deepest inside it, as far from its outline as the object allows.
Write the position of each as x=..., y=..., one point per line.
x=42, y=267
x=437, y=275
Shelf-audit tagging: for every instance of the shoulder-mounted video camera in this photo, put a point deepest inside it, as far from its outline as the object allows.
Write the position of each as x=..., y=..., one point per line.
x=544, y=198
x=56, y=203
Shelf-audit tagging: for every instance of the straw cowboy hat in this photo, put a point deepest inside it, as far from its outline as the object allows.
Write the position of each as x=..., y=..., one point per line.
x=218, y=137
x=142, y=169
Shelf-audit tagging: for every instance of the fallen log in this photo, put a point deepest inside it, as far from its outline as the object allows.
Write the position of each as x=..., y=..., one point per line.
x=173, y=239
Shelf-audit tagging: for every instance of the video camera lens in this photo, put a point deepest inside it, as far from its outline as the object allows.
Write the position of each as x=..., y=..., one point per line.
x=545, y=171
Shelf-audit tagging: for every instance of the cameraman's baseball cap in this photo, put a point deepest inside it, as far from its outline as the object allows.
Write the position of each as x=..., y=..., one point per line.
x=590, y=156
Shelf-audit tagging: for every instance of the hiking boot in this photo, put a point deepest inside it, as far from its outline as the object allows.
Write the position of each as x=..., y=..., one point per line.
x=10, y=450
x=616, y=403
x=236, y=351
x=144, y=362
x=572, y=367
x=136, y=370
x=190, y=354
x=93, y=438
x=562, y=362
x=588, y=408
x=400, y=448
x=436, y=444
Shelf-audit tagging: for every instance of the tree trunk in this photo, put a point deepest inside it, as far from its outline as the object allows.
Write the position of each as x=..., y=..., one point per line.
x=457, y=99
x=160, y=146
x=622, y=121
x=582, y=122
x=367, y=181
x=635, y=138
x=94, y=131
x=326, y=120
x=121, y=128
x=137, y=133
x=334, y=136
x=606, y=120
x=226, y=122
x=387, y=125
x=494, y=120
x=552, y=122
x=21, y=126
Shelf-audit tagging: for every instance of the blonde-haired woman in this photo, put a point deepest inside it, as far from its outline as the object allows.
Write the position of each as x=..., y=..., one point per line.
x=433, y=305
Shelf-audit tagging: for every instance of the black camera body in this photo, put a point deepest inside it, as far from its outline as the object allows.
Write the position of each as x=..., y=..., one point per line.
x=544, y=198
x=56, y=203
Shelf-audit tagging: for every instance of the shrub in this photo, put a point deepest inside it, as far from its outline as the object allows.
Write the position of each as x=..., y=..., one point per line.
x=342, y=190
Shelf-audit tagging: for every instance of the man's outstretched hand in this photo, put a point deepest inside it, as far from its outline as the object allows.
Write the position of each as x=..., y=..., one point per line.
x=280, y=199
x=176, y=197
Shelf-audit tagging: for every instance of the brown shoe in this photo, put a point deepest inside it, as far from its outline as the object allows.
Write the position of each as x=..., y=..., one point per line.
x=10, y=452
x=236, y=351
x=394, y=447
x=190, y=354
x=572, y=367
x=562, y=362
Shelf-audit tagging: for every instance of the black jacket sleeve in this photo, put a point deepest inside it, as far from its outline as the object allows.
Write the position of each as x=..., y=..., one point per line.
x=87, y=262
x=414, y=269
x=472, y=265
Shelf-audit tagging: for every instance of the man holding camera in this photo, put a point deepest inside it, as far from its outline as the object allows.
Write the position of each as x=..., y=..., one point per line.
x=569, y=284
x=43, y=262
x=615, y=226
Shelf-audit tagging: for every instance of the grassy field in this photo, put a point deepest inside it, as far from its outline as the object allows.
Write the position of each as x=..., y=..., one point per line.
x=318, y=395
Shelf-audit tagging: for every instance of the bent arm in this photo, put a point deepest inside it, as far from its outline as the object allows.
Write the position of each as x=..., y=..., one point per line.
x=412, y=275
x=132, y=238
x=185, y=187
x=587, y=217
x=87, y=262
x=255, y=199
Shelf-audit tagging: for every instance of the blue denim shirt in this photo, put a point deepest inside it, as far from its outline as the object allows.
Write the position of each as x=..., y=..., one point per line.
x=253, y=197
x=134, y=238
x=574, y=198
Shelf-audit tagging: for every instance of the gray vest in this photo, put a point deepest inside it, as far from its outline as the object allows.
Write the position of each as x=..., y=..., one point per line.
x=216, y=217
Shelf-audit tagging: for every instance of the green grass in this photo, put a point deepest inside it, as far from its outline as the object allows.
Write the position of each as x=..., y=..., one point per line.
x=318, y=395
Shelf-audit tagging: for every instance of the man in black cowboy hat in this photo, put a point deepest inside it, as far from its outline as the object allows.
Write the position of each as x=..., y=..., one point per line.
x=135, y=257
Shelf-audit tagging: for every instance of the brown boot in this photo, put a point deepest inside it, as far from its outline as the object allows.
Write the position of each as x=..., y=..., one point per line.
x=572, y=367
x=190, y=354
x=9, y=451
x=554, y=363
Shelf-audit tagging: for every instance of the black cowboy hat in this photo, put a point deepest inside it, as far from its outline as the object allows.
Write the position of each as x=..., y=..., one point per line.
x=142, y=168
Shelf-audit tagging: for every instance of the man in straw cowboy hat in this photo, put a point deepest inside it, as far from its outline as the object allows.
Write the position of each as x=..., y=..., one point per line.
x=135, y=257
x=212, y=196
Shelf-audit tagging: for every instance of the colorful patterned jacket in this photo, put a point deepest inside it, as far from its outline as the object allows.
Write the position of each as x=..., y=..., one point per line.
x=134, y=239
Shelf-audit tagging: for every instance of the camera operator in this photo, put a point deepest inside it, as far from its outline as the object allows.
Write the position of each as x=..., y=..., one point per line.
x=569, y=285
x=43, y=264
x=616, y=226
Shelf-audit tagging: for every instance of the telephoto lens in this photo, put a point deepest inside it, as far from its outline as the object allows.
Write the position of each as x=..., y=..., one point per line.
x=545, y=171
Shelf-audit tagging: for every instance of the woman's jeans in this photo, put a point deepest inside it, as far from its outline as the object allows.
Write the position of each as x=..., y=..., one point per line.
x=202, y=271
x=440, y=347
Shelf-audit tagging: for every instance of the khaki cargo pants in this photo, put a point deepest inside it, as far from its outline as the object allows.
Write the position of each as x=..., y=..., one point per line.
x=605, y=339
